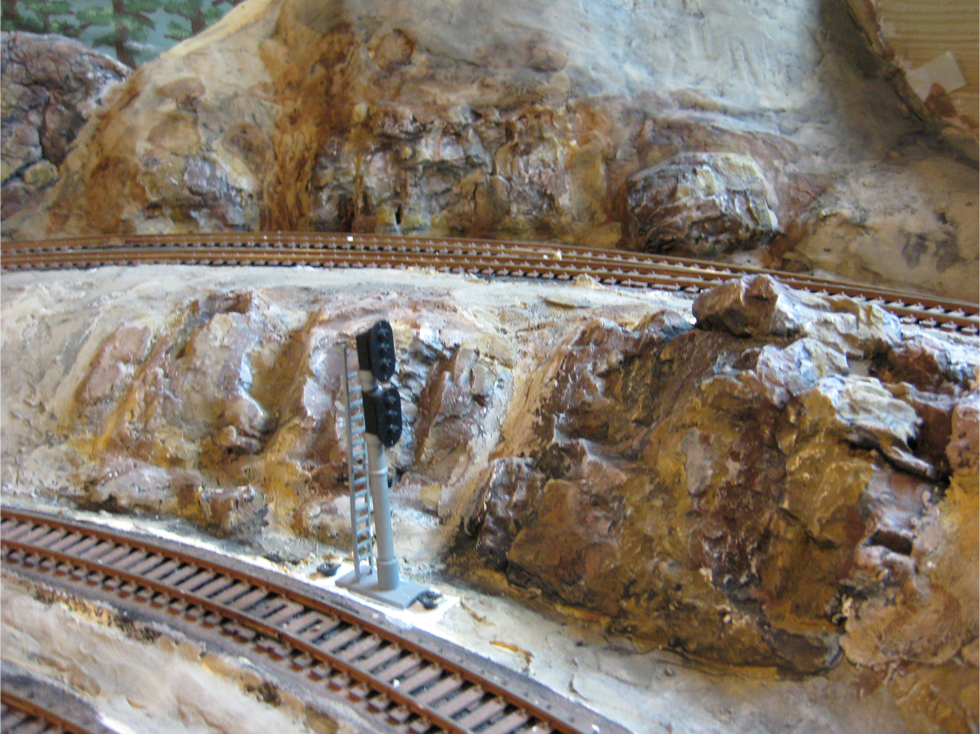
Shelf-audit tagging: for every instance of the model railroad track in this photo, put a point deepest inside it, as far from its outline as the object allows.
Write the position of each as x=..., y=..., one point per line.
x=42, y=709
x=402, y=684
x=20, y=716
x=30, y=705
x=482, y=258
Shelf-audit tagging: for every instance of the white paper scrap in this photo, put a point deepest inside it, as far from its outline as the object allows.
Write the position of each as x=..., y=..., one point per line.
x=942, y=70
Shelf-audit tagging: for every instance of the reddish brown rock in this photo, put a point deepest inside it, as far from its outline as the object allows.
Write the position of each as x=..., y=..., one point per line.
x=756, y=306
x=232, y=510
x=701, y=204
x=51, y=86
x=512, y=486
x=115, y=363
x=124, y=484
x=925, y=362
x=453, y=409
x=676, y=482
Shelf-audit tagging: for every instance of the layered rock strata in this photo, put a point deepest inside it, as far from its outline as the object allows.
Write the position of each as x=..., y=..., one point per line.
x=770, y=479
x=701, y=204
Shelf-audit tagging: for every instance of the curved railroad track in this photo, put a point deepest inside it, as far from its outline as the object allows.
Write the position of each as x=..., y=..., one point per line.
x=29, y=705
x=19, y=715
x=481, y=258
x=399, y=681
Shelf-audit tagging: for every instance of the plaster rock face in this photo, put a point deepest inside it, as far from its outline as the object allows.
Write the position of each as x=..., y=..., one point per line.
x=739, y=494
x=701, y=204
x=706, y=128
x=231, y=411
x=783, y=479
x=51, y=86
x=843, y=235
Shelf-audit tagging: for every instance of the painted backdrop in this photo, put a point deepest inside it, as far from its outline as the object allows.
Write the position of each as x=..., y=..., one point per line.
x=133, y=31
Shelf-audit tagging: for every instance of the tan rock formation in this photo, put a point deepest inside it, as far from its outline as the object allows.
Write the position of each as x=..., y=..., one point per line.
x=701, y=204
x=789, y=481
x=508, y=119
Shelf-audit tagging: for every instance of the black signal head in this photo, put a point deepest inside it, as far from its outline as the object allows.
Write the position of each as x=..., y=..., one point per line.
x=376, y=351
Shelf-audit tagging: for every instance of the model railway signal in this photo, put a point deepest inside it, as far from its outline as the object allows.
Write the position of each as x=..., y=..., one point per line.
x=376, y=351
x=383, y=415
x=382, y=409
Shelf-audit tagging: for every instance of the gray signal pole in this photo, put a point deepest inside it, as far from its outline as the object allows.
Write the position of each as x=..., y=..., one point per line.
x=382, y=427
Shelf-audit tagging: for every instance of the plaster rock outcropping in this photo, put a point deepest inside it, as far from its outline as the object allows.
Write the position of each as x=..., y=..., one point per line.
x=702, y=205
x=51, y=86
x=773, y=135
x=743, y=489
x=781, y=479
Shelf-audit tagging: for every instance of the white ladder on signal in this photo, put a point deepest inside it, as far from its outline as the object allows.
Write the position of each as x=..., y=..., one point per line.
x=357, y=473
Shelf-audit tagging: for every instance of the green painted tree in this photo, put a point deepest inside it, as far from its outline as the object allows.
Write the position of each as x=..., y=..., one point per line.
x=129, y=25
x=40, y=16
x=126, y=26
x=195, y=16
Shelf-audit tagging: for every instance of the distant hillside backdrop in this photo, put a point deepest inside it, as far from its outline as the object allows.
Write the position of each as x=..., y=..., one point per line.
x=132, y=31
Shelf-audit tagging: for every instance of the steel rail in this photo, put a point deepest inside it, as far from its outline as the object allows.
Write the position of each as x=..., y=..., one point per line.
x=454, y=248
x=408, y=685
x=30, y=705
x=19, y=715
x=482, y=258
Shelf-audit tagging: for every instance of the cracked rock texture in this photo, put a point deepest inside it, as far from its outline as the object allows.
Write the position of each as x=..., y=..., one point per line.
x=746, y=490
x=704, y=204
x=768, y=478
x=705, y=128
x=51, y=87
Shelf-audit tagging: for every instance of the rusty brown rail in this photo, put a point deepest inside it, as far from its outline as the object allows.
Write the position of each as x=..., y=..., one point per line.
x=483, y=258
x=20, y=716
x=29, y=705
x=407, y=685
